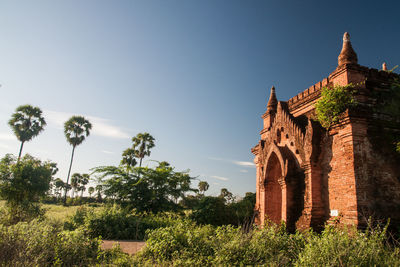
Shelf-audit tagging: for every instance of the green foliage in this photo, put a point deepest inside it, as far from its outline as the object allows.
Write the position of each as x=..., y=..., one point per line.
x=186, y=244
x=332, y=103
x=203, y=187
x=348, y=247
x=26, y=123
x=158, y=189
x=117, y=223
x=43, y=244
x=216, y=211
x=181, y=244
x=212, y=210
x=142, y=144
x=23, y=183
x=76, y=129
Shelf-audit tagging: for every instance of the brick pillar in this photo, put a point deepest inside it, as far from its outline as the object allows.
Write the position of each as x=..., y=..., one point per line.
x=282, y=183
x=313, y=213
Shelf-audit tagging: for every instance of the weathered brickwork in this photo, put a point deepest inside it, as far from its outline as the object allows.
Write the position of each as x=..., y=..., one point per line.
x=308, y=176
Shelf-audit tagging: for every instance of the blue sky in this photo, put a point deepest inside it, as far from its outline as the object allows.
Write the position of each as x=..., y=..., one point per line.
x=194, y=74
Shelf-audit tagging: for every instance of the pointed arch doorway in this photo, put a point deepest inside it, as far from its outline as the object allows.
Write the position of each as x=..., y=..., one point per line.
x=273, y=189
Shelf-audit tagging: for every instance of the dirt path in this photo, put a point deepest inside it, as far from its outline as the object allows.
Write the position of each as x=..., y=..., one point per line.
x=127, y=246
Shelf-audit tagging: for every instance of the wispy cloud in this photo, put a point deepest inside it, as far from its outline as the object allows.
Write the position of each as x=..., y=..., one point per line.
x=244, y=171
x=244, y=163
x=107, y=152
x=7, y=137
x=236, y=162
x=101, y=127
x=219, y=178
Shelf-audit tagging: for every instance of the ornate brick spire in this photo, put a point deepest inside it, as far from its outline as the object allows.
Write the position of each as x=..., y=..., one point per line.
x=347, y=55
x=272, y=102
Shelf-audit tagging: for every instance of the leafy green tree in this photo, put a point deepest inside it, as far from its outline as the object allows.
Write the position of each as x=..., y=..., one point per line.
x=203, y=187
x=23, y=183
x=244, y=209
x=26, y=123
x=158, y=189
x=76, y=129
x=142, y=144
x=226, y=195
x=212, y=210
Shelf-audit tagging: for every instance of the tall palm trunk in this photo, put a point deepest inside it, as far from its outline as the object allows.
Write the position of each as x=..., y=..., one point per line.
x=69, y=172
x=140, y=167
x=20, y=151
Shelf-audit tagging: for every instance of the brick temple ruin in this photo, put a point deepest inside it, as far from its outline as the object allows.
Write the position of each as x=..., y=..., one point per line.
x=308, y=176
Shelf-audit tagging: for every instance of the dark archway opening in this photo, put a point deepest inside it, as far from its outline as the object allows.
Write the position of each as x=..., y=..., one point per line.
x=273, y=190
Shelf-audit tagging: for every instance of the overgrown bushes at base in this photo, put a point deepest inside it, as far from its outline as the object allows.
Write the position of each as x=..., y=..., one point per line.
x=43, y=244
x=186, y=244
x=118, y=223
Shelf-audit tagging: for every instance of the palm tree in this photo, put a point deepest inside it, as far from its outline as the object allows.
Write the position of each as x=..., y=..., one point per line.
x=142, y=143
x=26, y=123
x=75, y=182
x=128, y=159
x=76, y=129
x=83, y=182
x=91, y=191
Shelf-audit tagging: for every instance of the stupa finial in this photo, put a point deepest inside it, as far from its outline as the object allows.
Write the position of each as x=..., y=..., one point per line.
x=273, y=101
x=347, y=55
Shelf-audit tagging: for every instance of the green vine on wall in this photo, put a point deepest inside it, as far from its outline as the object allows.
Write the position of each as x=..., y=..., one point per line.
x=334, y=102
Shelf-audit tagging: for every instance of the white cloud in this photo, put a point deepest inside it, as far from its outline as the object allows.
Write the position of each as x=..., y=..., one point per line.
x=244, y=171
x=7, y=137
x=236, y=162
x=244, y=163
x=219, y=178
x=216, y=183
x=107, y=152
x=101, y=127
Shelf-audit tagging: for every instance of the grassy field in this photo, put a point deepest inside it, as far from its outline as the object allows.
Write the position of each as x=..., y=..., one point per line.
x=56, y=211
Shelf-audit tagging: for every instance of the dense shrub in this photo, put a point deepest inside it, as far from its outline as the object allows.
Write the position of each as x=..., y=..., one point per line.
x=22, y=183
x=216, y=211
x=187, y=244
x=118, y=223
x=212, y=210
x=181, y=244
x=349, y=247
x=43, y=244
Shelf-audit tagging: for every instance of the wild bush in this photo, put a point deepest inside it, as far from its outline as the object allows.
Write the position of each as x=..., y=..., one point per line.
x=114, y=222
x=22, y=183
x=44, y=244
x=349, y=247
x=182, y=244
x=186, y=244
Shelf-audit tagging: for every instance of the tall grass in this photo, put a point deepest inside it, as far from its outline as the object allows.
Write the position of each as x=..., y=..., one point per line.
x=186, y=244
